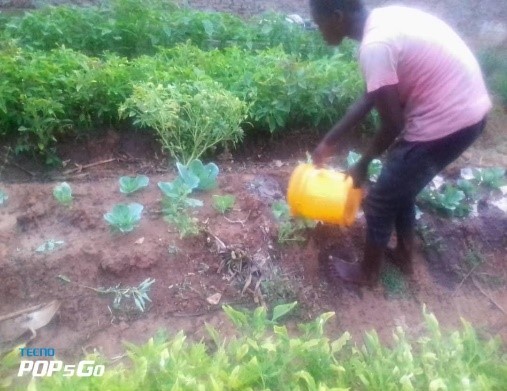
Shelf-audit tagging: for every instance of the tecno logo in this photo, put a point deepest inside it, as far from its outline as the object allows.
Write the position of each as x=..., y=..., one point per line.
x=48, y=367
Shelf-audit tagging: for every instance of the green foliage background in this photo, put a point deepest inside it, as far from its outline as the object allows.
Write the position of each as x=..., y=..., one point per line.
x=67, y=70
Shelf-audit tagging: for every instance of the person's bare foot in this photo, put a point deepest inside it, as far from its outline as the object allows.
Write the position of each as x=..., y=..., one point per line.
x=400, y=259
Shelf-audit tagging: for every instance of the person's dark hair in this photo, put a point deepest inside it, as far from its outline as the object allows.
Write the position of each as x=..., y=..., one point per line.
x=327, y=7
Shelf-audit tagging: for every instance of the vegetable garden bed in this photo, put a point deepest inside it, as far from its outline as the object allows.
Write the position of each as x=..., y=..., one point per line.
x=128, y=242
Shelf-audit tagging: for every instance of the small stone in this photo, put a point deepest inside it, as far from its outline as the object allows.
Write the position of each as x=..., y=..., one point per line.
x=139, y=241
x=214, y=299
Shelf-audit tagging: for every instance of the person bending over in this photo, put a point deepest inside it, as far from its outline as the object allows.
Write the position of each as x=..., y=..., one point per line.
x=430, y=94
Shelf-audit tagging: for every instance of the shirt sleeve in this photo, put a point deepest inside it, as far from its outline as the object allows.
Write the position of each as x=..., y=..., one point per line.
x=378, y=64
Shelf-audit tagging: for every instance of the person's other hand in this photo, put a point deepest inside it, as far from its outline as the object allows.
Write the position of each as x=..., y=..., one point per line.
x=359, y=173
x=322, y=153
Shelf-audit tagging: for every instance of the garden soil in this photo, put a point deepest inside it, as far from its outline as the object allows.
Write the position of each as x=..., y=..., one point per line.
x=236, y=256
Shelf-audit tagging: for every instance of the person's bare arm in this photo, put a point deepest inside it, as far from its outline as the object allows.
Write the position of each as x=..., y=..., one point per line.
x=355, y=113
x=387, y=102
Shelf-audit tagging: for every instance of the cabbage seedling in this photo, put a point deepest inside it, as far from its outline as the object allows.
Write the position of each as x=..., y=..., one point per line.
x=491, y=177
x=129, y=185
x=124, y=218
x=177, y=191
x=63, y=193
x=198, y=175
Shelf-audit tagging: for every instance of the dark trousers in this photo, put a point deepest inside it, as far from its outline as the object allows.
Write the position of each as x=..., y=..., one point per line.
x=408, y=168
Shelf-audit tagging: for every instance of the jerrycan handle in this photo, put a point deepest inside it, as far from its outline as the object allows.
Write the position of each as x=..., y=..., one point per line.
x=353, y=184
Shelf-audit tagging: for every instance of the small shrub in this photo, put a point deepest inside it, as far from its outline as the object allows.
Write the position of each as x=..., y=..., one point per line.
x=190, y=119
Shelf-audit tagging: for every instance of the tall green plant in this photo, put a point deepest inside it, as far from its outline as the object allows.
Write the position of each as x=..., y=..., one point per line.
x=190, y=119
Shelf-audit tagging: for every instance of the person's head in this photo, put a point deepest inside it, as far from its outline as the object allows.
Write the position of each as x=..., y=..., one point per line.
x=337, y=19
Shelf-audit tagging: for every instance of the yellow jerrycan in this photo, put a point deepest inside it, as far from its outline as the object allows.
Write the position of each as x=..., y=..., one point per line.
x=323, y=194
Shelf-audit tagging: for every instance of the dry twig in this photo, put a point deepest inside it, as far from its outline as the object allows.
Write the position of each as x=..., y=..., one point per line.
x=488, y=296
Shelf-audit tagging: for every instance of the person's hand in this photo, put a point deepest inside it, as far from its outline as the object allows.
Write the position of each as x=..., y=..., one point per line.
x=322, y=153
x=359, y=173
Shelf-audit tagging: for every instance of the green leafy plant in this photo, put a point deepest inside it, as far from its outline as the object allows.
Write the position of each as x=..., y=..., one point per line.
x=3, y=197
x=190, y=119
x=257, y=321
x=177, y=193
x=491, y=177
x=9, y=363
x=290, y=229
x=57, y=83
x=129, y=185
x=176, y=204
x=123, y=217
x=467, y=187
x=448, y=200
x=63, y=193
x=223, y=203
x=196, y=172
x=266, y=355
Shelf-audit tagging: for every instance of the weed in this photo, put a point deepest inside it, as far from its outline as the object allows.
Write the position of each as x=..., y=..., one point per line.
x=393, y=281
x=173, y=249
x=474, y=258
x=176, y=205
x=223, y=203
x=138, y=294
x=279, y=287
x=290, y=229
x=430, y=238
